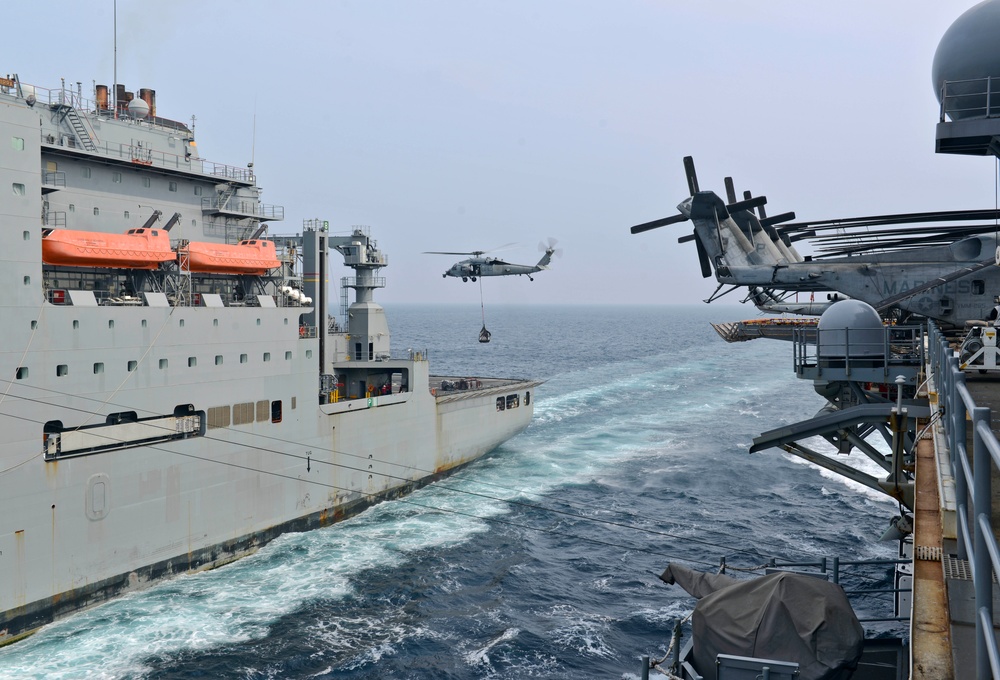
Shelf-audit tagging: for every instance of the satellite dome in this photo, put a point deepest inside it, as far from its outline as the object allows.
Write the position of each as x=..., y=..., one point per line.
x=969, y=50
x=138, y=108
x=850, y=328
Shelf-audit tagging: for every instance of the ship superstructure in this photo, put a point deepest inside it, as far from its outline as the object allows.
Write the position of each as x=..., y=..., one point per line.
x=173, y=391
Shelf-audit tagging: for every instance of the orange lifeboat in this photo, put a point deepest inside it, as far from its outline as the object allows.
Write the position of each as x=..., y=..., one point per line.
x=253, y=256
x=141, y=248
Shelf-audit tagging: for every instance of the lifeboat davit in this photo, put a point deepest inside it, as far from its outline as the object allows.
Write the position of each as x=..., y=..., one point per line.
x=253, y=256
x=141, y=248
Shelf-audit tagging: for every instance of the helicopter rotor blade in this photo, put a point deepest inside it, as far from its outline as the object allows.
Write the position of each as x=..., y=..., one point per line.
x=673, y=219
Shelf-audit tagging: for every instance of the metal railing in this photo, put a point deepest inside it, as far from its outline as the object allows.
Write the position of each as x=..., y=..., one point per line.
x=243, y=206
x=970, y=99
x=875, y=355
x=976, y=541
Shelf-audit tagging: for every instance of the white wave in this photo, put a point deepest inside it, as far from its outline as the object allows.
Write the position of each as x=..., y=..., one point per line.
x=480, y=656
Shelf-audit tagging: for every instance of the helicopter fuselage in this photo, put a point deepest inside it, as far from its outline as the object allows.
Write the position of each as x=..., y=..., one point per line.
x=475, y=267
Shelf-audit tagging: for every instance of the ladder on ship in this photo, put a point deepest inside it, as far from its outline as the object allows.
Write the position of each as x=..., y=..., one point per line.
x=79, y=129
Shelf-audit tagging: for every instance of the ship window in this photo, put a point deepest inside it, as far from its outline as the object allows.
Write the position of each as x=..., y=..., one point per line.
x=258, y=320
x=85, y=172
x=309, y=354
x=143, y=323
x=293, y=403
x=243, y=358
x=61, y=370
x=267, y=356
x=512, y=401
x=527, y=398
x=288, y=356
x=197, y=191
x=76, y=323
x=215, y=322
x=21, y=373
x=218, y=416
x=97, y=211
x=276, y=411
x=27, y=280
x=126, y=214
x=17, y=143
x=98, y=368
x=111, y=323
x=172, y=186
x=218, y=359
x=181, y=322
x=132, y=365
x=34, y=324
x=263, y=410
x=116, y=177
x=192, y=362
x=26, y=235
x=18, y=188
x=978, y=287
x=500, y=403
x=72, y=207
x=163, y=364
x=145, y=181
x=286, y=320
x=243, y=413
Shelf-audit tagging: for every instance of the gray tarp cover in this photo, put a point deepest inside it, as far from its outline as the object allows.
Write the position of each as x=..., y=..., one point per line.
x=782, y=616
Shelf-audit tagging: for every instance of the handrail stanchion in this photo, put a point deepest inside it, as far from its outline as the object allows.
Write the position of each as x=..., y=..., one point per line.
x=982, y=568
x=959, y=448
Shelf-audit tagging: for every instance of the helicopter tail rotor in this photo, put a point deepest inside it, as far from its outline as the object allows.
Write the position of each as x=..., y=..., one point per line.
x=550, y=247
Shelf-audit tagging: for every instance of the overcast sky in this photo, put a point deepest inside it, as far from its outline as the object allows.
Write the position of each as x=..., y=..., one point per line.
x=465, y=125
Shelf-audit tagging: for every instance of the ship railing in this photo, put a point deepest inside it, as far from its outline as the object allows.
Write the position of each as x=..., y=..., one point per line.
x=970, y=99
x=973, y=489
x=54, y=179
x=55, y=219
x=159, y=159
x=864, y=355
x=243, y=207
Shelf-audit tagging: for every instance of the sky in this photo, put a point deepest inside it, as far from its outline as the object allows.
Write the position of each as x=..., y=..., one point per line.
x=465, y=125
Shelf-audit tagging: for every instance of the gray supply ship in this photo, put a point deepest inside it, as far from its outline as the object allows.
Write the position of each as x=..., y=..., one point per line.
x=174, y=392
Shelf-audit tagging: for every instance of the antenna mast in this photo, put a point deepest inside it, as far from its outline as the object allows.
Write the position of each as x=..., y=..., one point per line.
x=114, y=97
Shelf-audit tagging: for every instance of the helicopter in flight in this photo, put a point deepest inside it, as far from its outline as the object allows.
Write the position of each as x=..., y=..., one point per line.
x=480, y=264
x=946, y=271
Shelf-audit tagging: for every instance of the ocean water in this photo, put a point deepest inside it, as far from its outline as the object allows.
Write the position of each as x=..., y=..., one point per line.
x=540, y=560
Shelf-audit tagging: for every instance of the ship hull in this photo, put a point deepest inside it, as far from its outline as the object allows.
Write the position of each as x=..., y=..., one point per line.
x=192, y=505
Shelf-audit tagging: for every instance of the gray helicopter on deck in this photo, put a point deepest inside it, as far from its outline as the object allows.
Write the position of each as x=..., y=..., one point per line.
x=946, y=271
x=480, y=264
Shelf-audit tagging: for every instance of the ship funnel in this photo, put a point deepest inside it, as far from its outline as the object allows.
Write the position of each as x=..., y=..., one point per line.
x=149, y=96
